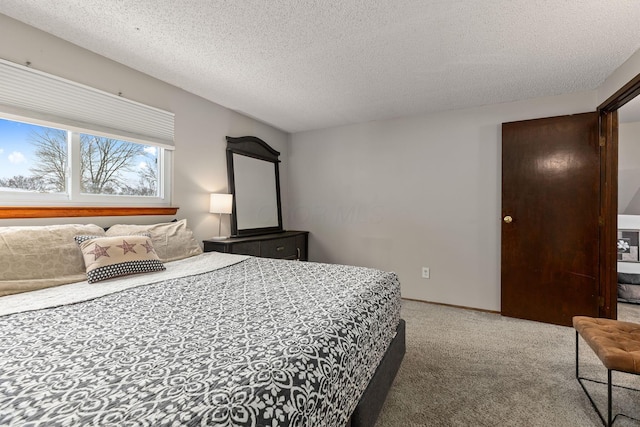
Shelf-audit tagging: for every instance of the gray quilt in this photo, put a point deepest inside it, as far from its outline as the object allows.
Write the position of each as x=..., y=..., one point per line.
x=260, y=343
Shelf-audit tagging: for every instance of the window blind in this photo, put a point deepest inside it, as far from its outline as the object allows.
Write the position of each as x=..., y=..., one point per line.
x=34, y=94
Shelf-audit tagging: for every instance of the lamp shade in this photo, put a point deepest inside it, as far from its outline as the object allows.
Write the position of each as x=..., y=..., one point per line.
x=221, y=203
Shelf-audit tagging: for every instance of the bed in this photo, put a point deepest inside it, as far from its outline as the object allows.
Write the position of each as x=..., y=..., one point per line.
x=212, y=339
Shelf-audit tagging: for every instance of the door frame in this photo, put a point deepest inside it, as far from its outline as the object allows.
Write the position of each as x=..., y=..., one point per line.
x=608, y=267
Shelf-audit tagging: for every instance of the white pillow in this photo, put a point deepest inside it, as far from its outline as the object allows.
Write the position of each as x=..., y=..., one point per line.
x=171, y=240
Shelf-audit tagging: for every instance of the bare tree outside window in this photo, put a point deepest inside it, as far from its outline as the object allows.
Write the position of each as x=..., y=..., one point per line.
x=51, y=153
x=148, y=178
x=110, y=166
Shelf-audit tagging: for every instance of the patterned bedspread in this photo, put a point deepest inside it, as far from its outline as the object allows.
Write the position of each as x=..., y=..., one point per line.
x=263, y=342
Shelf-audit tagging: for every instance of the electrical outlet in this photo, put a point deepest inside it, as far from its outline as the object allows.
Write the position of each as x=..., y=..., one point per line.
x=425, y=272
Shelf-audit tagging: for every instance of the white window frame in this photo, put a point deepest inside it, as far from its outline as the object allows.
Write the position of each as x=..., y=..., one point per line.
x=73, y=196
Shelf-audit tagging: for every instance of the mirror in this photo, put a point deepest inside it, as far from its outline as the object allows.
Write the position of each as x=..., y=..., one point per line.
x=254, y=181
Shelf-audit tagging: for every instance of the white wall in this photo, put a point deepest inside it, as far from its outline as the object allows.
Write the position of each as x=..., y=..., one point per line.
x=629, y=168
x=411, y=192
x=620, y=77
x=200, y=125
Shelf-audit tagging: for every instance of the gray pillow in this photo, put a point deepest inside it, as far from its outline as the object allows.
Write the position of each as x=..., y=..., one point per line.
x=629, y=278
x=629, y=293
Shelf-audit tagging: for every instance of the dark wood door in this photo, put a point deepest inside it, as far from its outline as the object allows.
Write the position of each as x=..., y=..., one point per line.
x=550, y=210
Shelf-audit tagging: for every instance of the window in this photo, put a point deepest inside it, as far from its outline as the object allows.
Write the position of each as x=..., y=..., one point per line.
x=40, y=163
x=32, y=158
x=112, y=166
x=64, y=143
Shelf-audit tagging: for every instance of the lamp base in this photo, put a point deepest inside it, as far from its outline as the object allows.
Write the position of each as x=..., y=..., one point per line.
x=219, y=237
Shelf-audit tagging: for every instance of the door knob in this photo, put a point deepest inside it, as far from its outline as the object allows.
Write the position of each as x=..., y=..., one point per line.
x=508, y=219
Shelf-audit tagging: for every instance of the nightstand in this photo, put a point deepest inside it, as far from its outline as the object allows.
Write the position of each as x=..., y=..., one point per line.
x=286, y=245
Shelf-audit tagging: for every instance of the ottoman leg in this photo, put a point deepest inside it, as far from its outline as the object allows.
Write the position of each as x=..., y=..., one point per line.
x=609, y=397
x=577, y=360
x=605, y=422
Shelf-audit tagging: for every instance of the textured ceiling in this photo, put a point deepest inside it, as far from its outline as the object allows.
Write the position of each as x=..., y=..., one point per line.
x=306, y=64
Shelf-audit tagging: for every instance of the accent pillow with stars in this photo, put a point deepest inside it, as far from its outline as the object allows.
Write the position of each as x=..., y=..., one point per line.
x=114, y=256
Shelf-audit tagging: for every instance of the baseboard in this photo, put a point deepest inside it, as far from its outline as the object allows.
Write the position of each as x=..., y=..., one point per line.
x=453, y=305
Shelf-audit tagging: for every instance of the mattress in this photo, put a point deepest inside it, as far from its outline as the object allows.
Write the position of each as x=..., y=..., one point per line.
x=257, y=342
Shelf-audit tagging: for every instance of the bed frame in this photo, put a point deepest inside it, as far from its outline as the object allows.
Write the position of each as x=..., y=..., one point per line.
x=370, y=404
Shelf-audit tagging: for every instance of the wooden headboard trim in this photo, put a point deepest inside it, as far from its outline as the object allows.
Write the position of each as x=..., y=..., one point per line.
x=13, y=212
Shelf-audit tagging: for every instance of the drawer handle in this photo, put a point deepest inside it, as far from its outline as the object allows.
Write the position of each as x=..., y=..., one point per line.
x=280, y=248
x=298, y=249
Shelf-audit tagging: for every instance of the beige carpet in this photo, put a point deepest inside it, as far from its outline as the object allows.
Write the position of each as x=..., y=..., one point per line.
x=470, y=368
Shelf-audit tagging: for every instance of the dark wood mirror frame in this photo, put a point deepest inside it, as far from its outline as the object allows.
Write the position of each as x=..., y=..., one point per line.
x=253, y=147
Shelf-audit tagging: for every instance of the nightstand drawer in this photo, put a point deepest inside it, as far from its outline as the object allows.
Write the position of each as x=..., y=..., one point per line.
x=285, y=245
x=279, y=248
x=246, y=248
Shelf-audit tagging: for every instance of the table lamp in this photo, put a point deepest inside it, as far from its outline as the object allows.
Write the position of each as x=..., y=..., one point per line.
x=220, y=204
